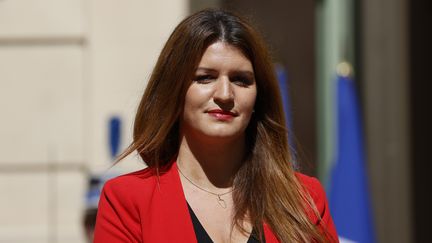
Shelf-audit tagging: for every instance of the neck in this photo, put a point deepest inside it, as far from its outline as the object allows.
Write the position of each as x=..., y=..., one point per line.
x=211, y=164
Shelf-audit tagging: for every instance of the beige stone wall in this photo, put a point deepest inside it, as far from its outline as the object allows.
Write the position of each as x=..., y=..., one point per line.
x=66, y=66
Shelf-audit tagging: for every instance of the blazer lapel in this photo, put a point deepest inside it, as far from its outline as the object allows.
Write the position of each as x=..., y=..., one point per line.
x=177, y=223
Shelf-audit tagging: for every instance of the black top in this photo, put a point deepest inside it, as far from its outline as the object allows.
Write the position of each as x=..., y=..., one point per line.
x=203, y=237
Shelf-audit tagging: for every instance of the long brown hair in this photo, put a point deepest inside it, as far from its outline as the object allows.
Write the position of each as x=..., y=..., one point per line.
x=267, y=189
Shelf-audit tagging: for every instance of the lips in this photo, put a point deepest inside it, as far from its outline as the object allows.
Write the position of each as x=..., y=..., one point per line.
x=222, y=114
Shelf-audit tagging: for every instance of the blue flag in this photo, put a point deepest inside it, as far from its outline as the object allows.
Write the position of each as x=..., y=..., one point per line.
x=349, y=194
x=282, y=77
x=114, y=136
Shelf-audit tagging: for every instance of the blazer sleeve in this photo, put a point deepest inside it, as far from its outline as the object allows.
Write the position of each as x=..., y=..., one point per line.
x=118, y=217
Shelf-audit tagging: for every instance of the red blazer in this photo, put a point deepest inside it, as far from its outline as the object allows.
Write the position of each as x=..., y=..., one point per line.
x=137, y=208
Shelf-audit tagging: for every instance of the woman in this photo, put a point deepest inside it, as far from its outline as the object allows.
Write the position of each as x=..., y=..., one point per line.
x=210, y=127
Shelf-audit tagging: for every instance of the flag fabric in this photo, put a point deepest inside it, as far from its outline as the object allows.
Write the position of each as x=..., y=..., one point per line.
x=282, y=77
x=348, y=193
x=114, y=135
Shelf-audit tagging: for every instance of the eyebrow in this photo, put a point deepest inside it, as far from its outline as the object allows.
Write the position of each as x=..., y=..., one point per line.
x=236, y=72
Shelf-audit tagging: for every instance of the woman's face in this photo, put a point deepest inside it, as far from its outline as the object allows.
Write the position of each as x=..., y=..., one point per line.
x=220, y=101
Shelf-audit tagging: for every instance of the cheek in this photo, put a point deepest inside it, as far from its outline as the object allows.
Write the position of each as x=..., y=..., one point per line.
x=195, y=99
x=249, y=101
x=192, y=98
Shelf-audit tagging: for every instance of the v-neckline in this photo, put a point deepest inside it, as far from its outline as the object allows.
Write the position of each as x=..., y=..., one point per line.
x=204, y=237
x=200, y=232
x=171, y=215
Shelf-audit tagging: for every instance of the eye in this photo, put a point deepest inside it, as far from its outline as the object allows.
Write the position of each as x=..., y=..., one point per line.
x=203, y=79
x=242, y=81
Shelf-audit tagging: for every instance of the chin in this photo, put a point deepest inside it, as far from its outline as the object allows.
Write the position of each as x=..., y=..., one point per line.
x=214, y=132
x=224, y=134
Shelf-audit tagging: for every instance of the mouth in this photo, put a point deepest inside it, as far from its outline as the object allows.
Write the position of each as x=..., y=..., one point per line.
x=222, y=114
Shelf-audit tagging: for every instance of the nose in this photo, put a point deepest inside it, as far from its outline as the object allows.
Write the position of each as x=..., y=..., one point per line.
x=223, y=91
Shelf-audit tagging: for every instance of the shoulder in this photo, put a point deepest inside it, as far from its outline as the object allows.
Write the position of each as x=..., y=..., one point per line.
x=118, y=218
x=313, y=187
x=316, y=191
x=128, y=184
x=130, y=180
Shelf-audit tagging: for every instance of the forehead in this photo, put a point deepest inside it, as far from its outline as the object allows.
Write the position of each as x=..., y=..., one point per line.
x=222, y=55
